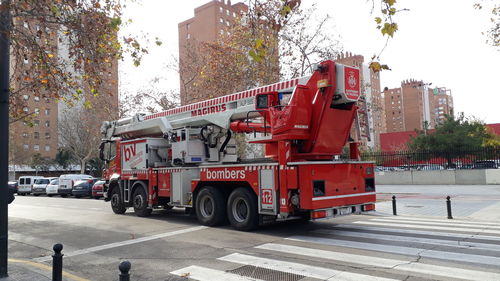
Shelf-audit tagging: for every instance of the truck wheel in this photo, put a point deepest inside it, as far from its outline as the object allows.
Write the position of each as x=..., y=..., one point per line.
x=140, y=202
x=116, y=202
x=210, y=207
x=242, y=209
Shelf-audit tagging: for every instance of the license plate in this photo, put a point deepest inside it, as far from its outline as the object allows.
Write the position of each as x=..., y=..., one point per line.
x=345, y=211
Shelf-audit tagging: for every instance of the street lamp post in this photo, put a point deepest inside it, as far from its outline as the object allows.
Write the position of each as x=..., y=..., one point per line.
x=4, y=131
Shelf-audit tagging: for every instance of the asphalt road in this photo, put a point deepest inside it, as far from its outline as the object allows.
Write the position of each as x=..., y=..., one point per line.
x=171, y=245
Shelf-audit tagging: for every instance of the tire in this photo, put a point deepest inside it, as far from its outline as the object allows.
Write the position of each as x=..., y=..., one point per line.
x=78, y=196
x=211, y=207
x=50, y=195
x=36, y=194
x=116, y=202
x=242, y=209
x=64, y=195
x=140, y=202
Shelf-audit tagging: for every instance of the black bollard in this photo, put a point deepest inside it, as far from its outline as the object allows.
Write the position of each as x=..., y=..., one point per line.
x=448, y=207
x=57, y=263
x=394, y=205
x=124, y=268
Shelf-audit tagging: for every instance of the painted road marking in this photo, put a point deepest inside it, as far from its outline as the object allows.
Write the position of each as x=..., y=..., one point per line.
x=392, y=264
x=421, y=232
x=420, y=252
x=300, y=269
x=430, y=241
x=123, y=243
x=48, y=268
x=447, y=228
x=461, y=224
x=447, y=221
x=207, y=274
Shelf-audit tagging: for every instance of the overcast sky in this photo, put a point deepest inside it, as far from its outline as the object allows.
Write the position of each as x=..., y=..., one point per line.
x=439, y=42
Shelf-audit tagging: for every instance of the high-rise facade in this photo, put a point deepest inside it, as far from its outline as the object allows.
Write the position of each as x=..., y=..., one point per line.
x=210, y=21
x=370, y=120
x=416, y=106
x=36, y=130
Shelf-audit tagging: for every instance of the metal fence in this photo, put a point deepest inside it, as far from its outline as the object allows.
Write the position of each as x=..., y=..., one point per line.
x=482, y=158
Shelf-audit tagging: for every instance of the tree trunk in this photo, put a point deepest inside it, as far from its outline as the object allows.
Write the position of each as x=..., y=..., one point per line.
x=82, y=166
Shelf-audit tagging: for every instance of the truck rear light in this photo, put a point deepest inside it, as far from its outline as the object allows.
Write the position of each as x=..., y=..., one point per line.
x=318, y=214
x=368, y=207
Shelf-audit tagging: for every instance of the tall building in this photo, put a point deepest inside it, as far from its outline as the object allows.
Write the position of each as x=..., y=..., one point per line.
x=416, y=106
x=441, y=104
x=209, y=22
x=37, y=129
x=370, y=121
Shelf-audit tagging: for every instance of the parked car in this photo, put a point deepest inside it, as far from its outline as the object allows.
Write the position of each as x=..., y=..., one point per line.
x=66, y=183
x=40, y=185
x=83, y=188
x=52, y=187
x=26, y=184
x=485, y=164
x=98, y=189
x=12, y=186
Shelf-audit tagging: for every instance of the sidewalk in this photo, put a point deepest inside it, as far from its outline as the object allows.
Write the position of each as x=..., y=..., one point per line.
x=26, y=272
x=467, y=202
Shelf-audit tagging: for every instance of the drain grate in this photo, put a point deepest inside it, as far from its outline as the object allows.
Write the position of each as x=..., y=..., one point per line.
x=265, y=274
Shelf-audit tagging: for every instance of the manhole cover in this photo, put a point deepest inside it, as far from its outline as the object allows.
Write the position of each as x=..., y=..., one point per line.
x=265, y=274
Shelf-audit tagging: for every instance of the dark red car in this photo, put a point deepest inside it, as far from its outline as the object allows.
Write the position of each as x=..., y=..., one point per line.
x=97, y=189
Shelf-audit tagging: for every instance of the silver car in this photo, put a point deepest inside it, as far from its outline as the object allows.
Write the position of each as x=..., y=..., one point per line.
x=40, y=185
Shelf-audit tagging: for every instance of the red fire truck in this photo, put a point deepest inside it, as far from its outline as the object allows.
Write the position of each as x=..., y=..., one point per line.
x=187, y=156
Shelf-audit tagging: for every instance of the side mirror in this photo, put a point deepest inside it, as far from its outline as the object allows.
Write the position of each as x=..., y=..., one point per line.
x=101, y=151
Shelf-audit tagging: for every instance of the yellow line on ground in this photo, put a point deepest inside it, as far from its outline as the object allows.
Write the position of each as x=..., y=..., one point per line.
x=48, y=268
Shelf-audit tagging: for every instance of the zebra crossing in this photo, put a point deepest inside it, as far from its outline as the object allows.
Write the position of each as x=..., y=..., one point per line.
x=380, y=248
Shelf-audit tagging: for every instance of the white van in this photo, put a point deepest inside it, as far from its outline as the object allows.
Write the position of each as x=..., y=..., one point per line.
x=66, y=183
x=26, y=184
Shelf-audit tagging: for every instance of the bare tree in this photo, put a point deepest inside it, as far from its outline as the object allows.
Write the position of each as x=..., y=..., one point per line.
x=79, y=133
x=148, y=100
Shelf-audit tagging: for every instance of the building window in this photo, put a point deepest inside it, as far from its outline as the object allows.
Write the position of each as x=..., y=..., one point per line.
x=36, y=135
x=26, y=109
x=37, y=110
x=26, y=97
x=47, y=111
x=221, y=10
x=26, y=147
x=47, y=123
x=25, y=24
x=188, y=36
x=36, y=98
x=222, y=32
x=234, y=14
x=25, y=135
x=36, y=147
x=47, y=135
x=47, y=100
x=221, y=20
x=227, y=23
x=47, y=147
x=37, y=122
x=227, y=12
